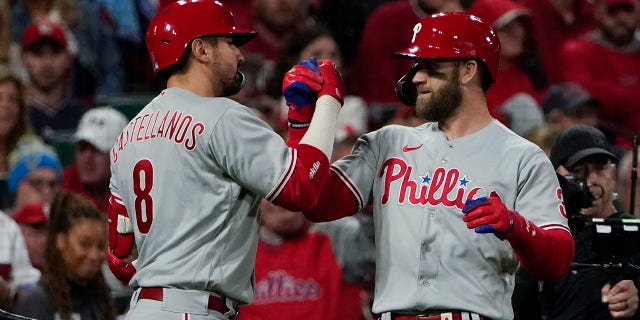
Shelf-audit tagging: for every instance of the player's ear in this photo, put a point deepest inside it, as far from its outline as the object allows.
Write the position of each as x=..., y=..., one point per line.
x=199, y=48
x=468, y=70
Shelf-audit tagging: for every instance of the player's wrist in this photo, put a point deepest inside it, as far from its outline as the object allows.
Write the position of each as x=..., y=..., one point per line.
x=322, y=130
x=328, y=102
x=520, y=227
x=512, y=215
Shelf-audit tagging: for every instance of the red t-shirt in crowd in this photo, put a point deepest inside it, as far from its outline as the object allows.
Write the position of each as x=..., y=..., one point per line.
x=550, y=30
x=298, y=279
x=611, y=76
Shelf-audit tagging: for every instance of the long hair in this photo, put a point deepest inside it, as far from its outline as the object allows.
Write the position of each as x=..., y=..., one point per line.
x=22, y=125
x=66, y=210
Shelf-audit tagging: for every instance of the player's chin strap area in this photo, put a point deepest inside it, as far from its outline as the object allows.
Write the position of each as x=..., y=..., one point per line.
x=243, y=82
x=406, y=89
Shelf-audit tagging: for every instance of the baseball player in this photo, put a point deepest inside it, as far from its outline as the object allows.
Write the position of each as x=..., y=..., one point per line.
x=429, y=185
x=188, y=172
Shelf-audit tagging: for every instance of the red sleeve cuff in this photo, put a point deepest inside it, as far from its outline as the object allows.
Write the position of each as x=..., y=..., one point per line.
x=544, y=253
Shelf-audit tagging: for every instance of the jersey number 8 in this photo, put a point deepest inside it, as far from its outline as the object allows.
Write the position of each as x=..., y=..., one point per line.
x=143, y=172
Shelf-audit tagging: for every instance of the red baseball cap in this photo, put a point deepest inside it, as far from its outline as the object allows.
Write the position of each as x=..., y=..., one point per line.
x=34, y=213
x=41, y=30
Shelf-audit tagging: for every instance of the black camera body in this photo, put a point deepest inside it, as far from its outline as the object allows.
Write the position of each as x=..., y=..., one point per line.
x=577, y=196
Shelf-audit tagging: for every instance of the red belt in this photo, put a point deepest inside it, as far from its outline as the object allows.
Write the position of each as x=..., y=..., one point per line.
x=155, y=293
x=443, y=316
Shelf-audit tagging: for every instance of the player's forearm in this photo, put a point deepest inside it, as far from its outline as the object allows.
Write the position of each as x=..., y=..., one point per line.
x=322, y=129
x=314, y=151
x=545, y=253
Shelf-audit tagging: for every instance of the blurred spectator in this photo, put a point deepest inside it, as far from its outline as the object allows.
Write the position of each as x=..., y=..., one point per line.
x=275, y=21
x=624, y=183
x=355, y=252
x=512, y=99
x=352, y=239
x=89, y=174
x=35, y=173
x=544, y=135
x=406, y=116
x=48, y=93
x=346, y=21
x=16, y=271
x=296, y=273
x=128, y=35
x=92, y=40
x=33, y=220
x=343, y=147
x=72, y=285
x=13, y=116
x=606, y=62
x=5, y=41
x=553, y=22
x=317, y=41
x=9, y=50
x=566, y=104
x=374, y=75
x=127, y=25
x=13, y=126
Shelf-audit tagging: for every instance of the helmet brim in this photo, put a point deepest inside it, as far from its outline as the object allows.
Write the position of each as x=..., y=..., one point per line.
x=242, y=37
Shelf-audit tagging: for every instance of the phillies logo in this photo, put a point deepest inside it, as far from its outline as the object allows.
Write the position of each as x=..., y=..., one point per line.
x=416, y=30
x=279, y=286
x=444, y=187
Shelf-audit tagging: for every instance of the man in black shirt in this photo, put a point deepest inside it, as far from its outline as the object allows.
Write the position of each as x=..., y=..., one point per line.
x=592, y=293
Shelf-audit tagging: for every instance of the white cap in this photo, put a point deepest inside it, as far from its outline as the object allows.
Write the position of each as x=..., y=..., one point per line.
x=100, y=127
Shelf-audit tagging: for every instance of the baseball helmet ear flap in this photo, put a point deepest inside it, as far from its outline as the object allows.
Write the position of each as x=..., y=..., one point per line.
x=406, y=90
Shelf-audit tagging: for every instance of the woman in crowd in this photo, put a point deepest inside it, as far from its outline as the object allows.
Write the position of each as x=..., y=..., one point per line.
x=13, y=126
x=72, y=285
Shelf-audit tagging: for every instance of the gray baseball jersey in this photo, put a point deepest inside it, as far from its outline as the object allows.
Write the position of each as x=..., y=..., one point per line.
x=418, y=182
x=191, y=170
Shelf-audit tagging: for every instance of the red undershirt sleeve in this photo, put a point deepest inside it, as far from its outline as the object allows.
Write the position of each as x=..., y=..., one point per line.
x=546, y=254
x=307, y=181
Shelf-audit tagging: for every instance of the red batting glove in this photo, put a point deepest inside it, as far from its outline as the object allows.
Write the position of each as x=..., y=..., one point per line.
x=300, y=88
x=333, y=84
x=489, y=215
x=122, y=270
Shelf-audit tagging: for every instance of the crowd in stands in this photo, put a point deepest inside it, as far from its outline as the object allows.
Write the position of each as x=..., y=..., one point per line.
x=563, y=63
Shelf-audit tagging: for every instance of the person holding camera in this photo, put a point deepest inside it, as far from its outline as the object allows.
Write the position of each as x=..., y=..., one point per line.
x=586, y=164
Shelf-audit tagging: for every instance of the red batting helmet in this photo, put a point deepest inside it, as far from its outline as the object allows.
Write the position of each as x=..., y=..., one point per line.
x=454, y=35
x=177, y=24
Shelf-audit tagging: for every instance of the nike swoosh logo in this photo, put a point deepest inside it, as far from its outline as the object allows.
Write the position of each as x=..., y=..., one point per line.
x=406, y=148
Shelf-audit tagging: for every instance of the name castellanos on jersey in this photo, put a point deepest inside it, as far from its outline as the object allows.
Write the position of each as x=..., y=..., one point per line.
x=443, y=186
x=174, y=126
